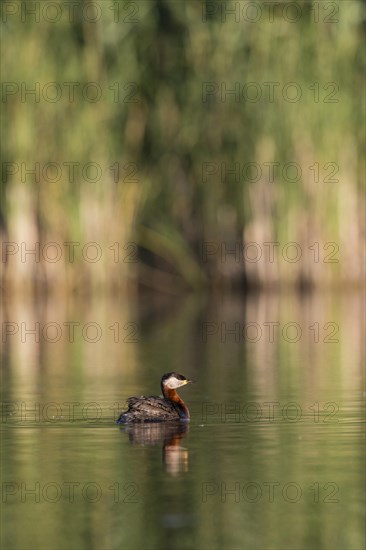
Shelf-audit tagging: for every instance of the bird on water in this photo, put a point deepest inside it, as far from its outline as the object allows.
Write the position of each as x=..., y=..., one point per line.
x=159, y=409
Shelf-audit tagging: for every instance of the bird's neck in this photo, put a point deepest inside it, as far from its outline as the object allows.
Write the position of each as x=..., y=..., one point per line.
x=172, y=395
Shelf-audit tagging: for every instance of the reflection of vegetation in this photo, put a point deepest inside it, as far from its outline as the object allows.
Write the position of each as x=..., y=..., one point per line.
x=154, y=505
x=166, y=132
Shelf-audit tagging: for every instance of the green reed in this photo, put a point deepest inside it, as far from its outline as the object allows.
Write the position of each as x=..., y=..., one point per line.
x=200, y=123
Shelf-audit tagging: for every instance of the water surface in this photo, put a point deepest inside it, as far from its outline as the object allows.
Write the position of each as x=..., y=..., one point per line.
x=274, y=453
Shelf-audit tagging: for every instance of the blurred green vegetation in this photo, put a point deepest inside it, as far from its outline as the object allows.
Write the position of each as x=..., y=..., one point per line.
x=174, y=144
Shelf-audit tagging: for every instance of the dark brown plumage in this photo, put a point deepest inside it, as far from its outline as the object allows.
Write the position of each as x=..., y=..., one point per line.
x=158, y=409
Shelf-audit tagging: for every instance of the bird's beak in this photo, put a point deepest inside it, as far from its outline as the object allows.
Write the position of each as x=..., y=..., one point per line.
x=190, y=381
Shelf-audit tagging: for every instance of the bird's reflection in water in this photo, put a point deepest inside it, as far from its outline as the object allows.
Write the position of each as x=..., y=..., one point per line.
x=167, y=434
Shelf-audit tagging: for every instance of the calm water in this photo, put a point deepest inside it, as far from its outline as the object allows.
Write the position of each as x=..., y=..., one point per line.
x=274, y=454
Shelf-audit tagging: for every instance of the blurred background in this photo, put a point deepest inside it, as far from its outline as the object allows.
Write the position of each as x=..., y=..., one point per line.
x=170, y=125
x=182, y=189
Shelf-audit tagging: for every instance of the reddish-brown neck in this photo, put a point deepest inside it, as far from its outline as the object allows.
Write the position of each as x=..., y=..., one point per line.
x=172, y=395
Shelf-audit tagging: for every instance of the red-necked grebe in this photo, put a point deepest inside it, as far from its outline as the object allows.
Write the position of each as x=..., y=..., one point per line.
x=158, y=409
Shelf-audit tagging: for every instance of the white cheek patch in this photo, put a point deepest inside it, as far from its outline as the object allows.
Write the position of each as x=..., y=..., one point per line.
x=174, y=383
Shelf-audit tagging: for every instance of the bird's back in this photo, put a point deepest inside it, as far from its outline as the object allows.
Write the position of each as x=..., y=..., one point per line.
x=149, y=409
